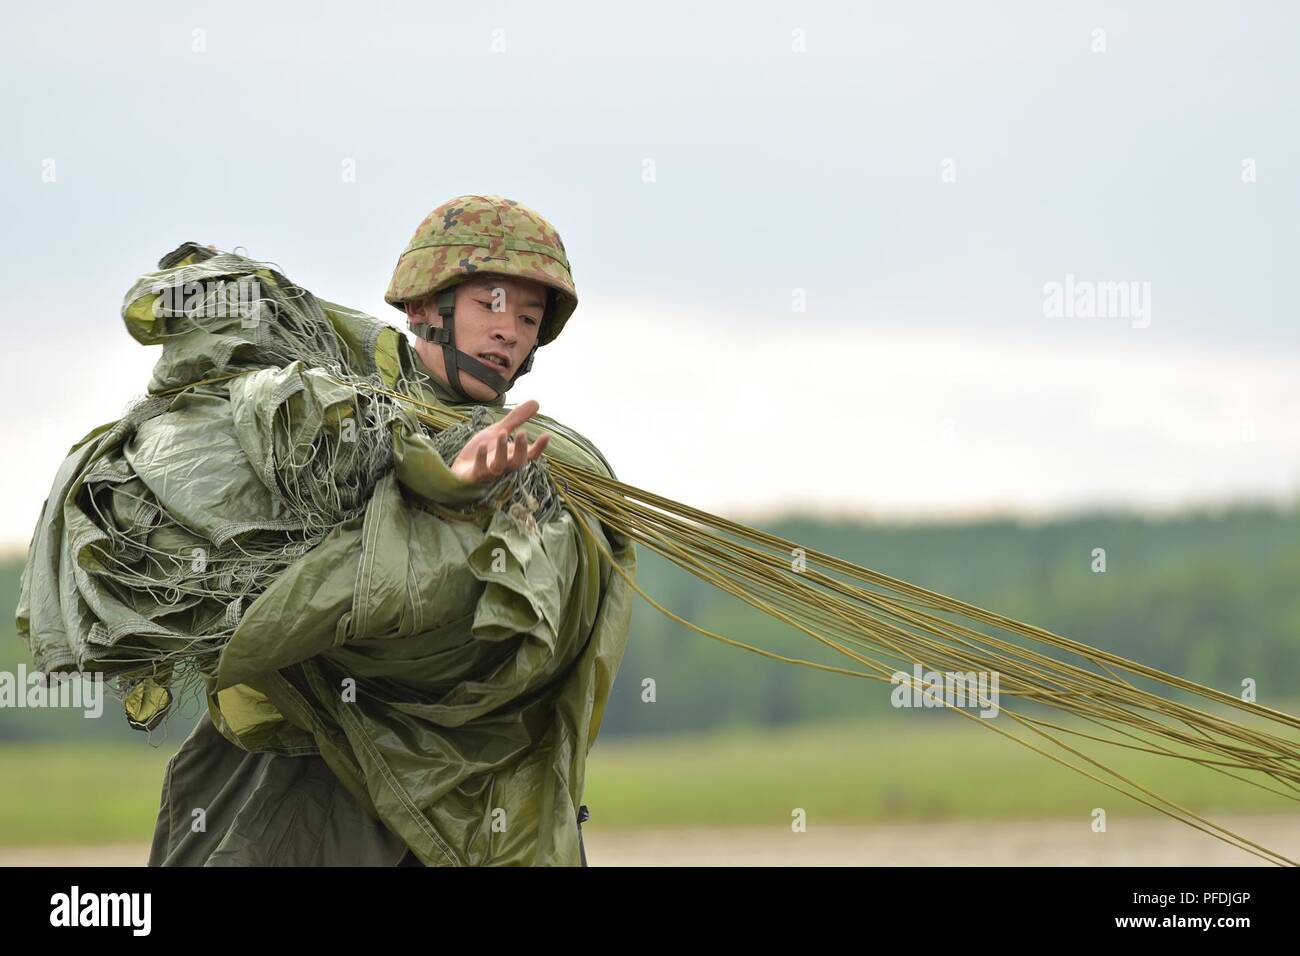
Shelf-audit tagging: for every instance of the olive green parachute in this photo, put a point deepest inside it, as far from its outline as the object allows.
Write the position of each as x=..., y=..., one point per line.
x=264, y=530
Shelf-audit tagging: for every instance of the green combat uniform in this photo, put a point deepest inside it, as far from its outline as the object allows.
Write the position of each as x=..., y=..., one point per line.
x=391, y=657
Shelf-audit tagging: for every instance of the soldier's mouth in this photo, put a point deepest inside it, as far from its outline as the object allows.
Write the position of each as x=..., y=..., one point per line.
x=495, y=358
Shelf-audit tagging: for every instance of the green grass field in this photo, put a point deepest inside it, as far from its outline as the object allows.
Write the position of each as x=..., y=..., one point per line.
x=77, y=794
x=938, y=767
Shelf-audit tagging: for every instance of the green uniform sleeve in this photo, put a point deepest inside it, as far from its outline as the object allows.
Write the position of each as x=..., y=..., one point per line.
x=420, y=468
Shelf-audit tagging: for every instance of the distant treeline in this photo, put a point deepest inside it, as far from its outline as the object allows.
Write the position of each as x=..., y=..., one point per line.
x=1214, y=597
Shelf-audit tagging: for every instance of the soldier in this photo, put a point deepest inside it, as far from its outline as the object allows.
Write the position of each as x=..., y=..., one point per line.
x=484, y=283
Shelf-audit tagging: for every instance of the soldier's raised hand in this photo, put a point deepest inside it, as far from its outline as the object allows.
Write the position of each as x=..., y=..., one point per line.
x=491, y=452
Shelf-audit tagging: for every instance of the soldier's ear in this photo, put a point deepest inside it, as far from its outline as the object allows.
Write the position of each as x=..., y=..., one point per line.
x=414, y=310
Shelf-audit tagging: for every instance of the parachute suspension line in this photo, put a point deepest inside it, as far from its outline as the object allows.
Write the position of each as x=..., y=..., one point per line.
x=879, y=622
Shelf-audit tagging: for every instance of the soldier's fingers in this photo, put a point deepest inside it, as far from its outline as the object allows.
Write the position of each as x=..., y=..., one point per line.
x=499, y=461
x=519, y=415
x=538, y=446
x=480, y=461
x=519, y=452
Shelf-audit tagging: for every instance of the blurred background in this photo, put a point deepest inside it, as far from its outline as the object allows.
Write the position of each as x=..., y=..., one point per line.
x=816, y=250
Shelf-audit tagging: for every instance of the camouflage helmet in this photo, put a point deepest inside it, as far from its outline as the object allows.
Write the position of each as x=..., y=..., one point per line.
x=486, y=234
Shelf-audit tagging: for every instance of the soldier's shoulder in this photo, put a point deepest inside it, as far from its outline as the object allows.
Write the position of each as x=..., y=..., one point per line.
x=597, y=460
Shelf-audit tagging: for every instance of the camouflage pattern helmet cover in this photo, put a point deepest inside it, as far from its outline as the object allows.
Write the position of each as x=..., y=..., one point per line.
x=486, y=234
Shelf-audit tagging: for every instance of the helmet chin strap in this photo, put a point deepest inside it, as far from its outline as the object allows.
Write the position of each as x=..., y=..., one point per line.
x=457, y=361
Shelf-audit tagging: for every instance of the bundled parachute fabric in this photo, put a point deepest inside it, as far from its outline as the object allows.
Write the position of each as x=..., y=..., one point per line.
x=271, y=527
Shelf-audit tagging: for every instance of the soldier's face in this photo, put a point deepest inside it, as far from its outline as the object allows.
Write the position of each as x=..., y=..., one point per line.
x=498, y=319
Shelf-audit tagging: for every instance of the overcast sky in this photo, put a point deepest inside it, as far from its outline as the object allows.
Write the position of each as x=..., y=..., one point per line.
x=814, y=244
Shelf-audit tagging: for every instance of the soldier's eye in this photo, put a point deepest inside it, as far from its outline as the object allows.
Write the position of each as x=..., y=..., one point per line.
x=530, y=320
